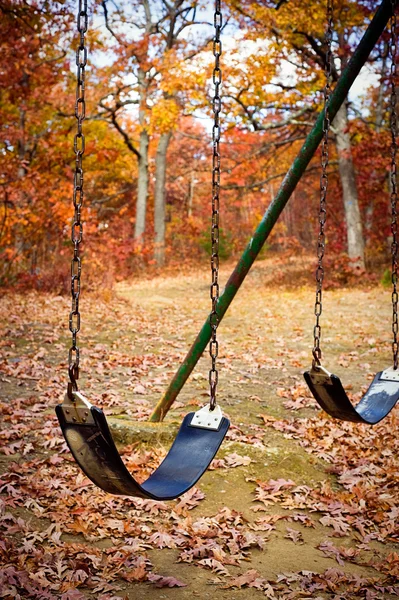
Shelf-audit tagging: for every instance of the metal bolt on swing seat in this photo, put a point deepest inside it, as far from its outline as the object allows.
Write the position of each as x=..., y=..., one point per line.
x=205, y=418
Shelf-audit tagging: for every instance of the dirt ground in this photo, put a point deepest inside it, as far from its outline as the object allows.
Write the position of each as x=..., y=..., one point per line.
x=295, y=505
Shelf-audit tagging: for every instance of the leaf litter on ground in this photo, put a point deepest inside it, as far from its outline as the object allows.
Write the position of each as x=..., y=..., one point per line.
x=63, y=538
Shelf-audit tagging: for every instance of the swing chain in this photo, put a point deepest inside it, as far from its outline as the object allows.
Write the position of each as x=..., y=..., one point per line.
x=321, y=240
x=393, y=181
x=77, y=227
x=214, y=290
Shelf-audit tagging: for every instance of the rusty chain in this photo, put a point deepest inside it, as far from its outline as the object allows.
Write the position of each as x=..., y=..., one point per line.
x=214, y=290
x=77, y=227
x=393, y=181
x=321, y=240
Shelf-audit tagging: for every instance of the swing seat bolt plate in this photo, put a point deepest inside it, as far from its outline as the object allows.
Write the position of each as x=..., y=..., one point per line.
x=205, y=418
x=390, y=374
x=77, y=410
x=319, y=374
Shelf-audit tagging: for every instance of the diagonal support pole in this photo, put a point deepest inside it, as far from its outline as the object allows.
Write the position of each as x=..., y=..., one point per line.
x=360, y=56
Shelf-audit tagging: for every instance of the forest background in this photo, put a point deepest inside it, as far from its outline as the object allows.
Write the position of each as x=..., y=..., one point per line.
x=148, y=135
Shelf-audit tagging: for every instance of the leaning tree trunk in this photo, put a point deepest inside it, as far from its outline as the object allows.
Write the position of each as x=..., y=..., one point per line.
x=160, y=209
x=349, y=189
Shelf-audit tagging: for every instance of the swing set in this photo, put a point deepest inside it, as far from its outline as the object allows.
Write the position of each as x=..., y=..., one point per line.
x=201, y=433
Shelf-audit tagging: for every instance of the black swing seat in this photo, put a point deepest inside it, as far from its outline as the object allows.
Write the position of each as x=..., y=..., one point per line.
x=376, y=404
x=89, y=439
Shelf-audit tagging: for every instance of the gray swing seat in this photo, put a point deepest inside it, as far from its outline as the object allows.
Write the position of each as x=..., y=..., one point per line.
x=375, y=405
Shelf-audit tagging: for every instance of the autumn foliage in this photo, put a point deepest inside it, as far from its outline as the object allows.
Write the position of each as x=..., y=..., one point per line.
x=268, y=109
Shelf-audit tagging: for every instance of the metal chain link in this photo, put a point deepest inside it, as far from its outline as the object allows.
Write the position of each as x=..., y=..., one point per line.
x=214, y=290
x=321, y=240
x=394, y=189
x=77, y=227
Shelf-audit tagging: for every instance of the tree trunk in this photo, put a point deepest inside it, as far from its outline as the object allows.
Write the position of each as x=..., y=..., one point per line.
x=379, y=110
x=142, y=183
x=142, y=188
x=379, y=117
x=22, y=171
x=349, y=189
x=159, y=216
x=191, y=195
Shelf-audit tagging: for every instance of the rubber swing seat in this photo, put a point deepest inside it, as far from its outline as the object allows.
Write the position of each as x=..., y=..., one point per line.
x=90, y=441
x=376, y=404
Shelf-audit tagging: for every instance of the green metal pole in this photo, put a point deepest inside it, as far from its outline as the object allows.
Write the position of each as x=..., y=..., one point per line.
x=288, y=185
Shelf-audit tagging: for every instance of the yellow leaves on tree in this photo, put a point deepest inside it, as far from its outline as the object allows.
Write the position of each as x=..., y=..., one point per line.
x=164, y=116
